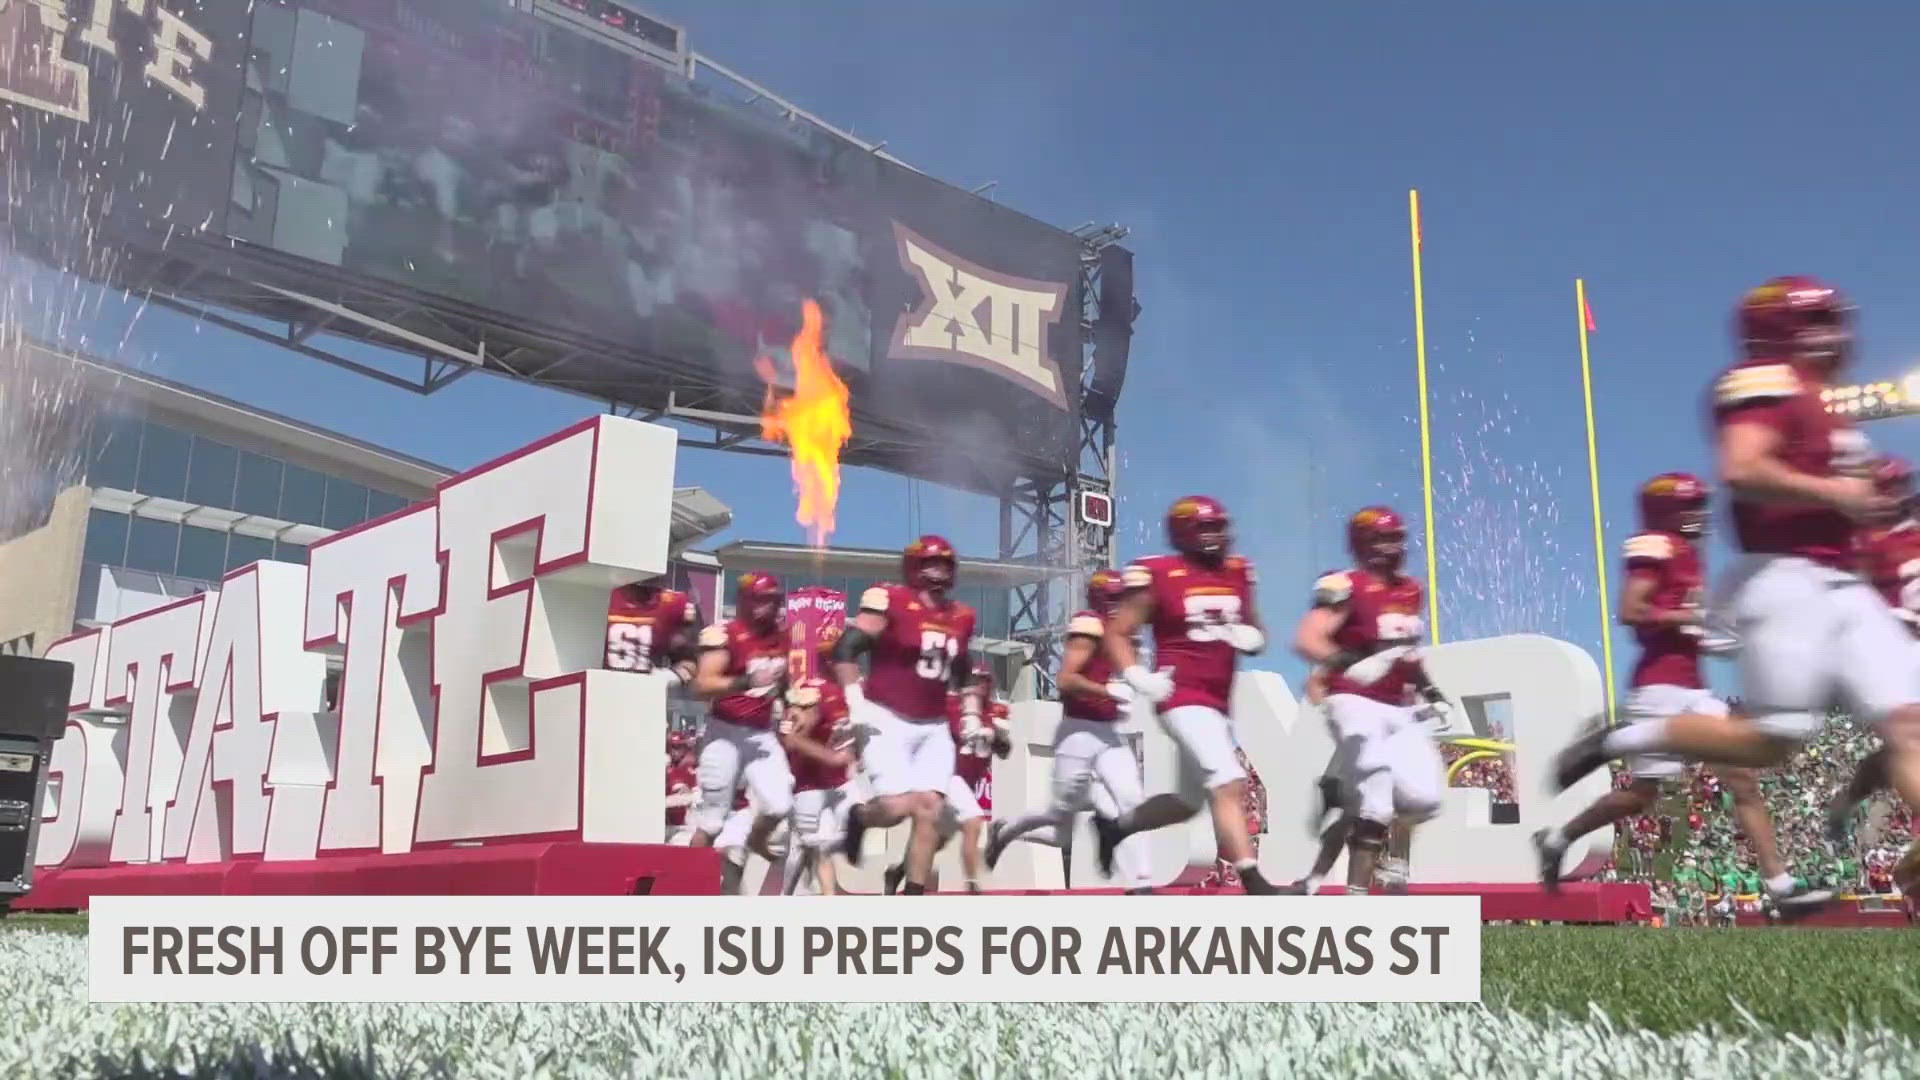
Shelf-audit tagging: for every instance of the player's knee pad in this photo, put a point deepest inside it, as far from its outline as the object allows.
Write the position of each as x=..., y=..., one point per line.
x=1368, y=835
x=708, y=819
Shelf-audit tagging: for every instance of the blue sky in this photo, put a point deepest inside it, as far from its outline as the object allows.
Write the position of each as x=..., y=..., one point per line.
x=1672, y=155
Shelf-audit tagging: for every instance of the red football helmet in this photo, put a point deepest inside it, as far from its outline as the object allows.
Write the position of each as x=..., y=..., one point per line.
x=759, y=598
x=929, y=564
x=1197, y=527
x=1377, y=538
x=1797, y=318
x=1674, y=502
x=1104, y=591
x=982, y=677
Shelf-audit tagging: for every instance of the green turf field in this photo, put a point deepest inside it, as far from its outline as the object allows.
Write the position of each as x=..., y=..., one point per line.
x=1558, y=1002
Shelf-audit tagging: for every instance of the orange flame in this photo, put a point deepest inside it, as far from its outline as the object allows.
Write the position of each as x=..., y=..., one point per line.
x=813, y=421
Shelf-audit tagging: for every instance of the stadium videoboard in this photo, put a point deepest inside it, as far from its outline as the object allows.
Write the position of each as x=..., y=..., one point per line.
x=471, y=152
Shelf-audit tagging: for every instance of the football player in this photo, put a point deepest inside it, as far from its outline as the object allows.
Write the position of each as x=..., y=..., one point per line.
x=1364, y=630
x=1089, y=753
x=969, y=795
x=1890, y=553
x=819, y=742
x=1662, y=599
x=1811, y=627
x=1199, y=602
x=918, y=637
x=651, y=628
x=742, y=665
x=683, y=785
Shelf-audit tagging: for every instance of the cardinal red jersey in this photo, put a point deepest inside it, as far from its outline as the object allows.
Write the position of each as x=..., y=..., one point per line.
x=1098, y=669
x=1382, y=613
x=748, y=653
x=1669, y=656
x=680, y=779
x=1785, y=398
x=973, y=767
x=1890, y=558
x=913, y=660
x=642, y=623
x=826, y=728
x=1193, y=603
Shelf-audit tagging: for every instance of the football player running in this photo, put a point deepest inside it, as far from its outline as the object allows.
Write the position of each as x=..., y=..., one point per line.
x=1890, y=555
x=1364, y=629
x=1089, y=753
x=819, y=739
x=743, y=663
x=1199, y=603
x=918, y=637
x=651, y=629
x=1662, y=600
x=977, y=739
x=1812, y=629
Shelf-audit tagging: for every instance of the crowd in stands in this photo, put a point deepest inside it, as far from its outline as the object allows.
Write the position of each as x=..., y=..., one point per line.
x=1693, y=853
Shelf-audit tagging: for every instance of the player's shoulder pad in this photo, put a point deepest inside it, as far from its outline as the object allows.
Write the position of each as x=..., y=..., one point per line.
x=1653, y=547
x=878, y=599
x=1332, y=589
x=1137, y=576
x=1087, y=624
x=713, y=636
x=1752, y=385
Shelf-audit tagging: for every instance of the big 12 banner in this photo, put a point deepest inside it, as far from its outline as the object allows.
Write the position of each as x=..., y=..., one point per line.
x=472, y=705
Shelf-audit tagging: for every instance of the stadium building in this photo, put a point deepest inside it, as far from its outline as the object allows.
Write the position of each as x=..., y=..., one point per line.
x=177, y=486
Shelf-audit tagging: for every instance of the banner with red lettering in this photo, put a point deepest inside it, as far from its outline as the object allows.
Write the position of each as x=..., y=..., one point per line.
x=810, y=611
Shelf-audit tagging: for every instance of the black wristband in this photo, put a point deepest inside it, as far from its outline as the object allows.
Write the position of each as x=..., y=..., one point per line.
x=741, y=684
x=1342, y=660
x=1432, y=694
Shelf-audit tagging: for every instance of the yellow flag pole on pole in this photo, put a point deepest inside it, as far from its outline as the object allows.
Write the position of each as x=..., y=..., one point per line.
x=1593, y=479
x=1426, y=445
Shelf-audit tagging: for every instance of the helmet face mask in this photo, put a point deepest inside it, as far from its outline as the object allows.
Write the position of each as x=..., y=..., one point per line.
x=760, y=599
x=1198, y=527
x=929, y=565
x=1377, y=539
x=1675, y=502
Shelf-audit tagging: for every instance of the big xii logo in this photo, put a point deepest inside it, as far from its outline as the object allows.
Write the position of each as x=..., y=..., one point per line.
x=976, y=317
x=44, y=50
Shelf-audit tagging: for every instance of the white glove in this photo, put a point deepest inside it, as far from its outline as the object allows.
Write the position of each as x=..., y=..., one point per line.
x=1119, y=691
x=1245, y=639
x=1155, y=686
x=1374, y=668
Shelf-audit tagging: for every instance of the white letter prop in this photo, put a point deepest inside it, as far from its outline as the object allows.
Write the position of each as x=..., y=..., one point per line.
x=372, y=593
x=254, y=671
x=531, y=738
x=152, y=661
x=1554, y=692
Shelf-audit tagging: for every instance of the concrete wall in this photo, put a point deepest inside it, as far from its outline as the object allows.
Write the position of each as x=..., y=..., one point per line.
x=40, y=574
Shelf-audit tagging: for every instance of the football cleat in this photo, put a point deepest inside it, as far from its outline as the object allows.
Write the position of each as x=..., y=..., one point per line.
x=996, y=845
x=1550, y=858
x=1801, y=902
x=1108, y=832
x=856, y=831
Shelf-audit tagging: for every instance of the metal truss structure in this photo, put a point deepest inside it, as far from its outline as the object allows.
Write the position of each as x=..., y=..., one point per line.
x=1040, y=518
